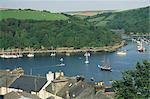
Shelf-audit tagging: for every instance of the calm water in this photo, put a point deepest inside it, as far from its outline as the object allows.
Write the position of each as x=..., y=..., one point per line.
x=40, y=65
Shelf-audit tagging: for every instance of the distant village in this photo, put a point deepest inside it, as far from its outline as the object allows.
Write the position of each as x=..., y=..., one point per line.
x=14, y=84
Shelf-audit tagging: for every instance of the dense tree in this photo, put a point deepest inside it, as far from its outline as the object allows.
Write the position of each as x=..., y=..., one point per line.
x=135, y=83
x=135, y=20
x=74, y=32
x=132, y=21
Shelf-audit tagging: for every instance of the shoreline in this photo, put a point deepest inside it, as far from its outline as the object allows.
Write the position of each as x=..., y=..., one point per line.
x=65, y=50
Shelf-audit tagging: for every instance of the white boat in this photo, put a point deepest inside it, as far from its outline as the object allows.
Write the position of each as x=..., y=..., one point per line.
x=87, y=54
x=86, y=60
x=62, y=64
x=9, y=56
x=86, y=57
x=2, y=56
x=67, y=54
x=5, y=56
x=53, y=54
x=30, y=52
x=20, y=55
x=14, y=56
x=121, y=53
x=61, y=59
x=30, y=55
x=140, y=47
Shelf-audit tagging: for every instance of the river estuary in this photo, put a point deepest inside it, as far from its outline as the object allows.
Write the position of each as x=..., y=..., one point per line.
x=74, y=64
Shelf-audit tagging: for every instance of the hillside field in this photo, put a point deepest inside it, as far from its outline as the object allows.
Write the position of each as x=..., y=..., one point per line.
x=31, y=14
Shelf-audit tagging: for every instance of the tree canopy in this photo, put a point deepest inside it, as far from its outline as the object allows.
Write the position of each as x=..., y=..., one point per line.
x=134, y=20
x=134, y=83
x=74, y=32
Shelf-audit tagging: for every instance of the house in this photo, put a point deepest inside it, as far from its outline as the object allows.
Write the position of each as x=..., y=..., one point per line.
x=6, y=80
x=18, y=71
x=53, y=86
x=9, y=82
x=29, y=83
x=71, y=87
x=43, y=93
x=7, y=77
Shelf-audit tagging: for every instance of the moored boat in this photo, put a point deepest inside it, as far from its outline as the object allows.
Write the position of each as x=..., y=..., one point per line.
x=53, y=54
x=86, y=57
x=30, y=55
x=9, y=56
x=105, y=66
x=121, y=53
x=67, y=54
x=140, y=47
x=61, y=64
x=61, y=59
x=87, y=54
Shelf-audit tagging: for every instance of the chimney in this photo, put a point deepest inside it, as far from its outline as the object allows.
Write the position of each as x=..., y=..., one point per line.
x=67, y=95
x=50, y=76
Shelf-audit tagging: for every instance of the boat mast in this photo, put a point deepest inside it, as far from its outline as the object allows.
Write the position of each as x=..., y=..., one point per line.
x=86, y=57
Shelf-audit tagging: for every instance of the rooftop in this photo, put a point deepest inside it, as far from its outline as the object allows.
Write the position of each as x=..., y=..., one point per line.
x=71, y=86
x=7, y=79
x=29, y=83
x=20, y=95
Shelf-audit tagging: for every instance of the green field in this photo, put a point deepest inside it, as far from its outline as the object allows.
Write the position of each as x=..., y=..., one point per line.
x=29, y=14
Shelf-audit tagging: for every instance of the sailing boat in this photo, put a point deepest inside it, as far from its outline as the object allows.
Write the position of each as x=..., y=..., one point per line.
x=30, y=54
x=61, y=62
x=121, y=53
x=53, y=54
x=105, y=67
x=140, y=47
x=86, y=57
x=19, y=54
x=9, y=55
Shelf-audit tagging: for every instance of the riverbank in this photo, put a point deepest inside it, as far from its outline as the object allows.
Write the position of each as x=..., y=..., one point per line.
x=65, y=50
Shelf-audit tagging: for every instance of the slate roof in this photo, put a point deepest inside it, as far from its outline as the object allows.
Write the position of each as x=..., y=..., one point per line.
x=66, y=80
x=75, y=90
x=29, y=83
x=1, y=97
x=7, y=79
x=73, y=87
x=20, y=95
